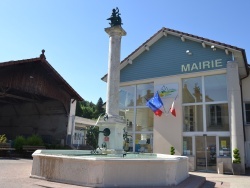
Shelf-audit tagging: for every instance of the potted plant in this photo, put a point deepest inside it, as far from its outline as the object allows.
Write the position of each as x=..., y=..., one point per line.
x=172, y=150
x=236, y=167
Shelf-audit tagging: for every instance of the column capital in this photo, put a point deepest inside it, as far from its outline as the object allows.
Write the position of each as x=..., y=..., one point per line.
x=115, y=31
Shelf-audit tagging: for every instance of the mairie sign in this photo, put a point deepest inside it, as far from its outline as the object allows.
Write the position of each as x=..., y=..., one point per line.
x=203, y=65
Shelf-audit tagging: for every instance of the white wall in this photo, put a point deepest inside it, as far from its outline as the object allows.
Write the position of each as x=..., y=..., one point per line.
x=167, y=128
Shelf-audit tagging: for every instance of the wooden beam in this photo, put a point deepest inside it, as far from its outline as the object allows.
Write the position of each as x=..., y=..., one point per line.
x=16, y=97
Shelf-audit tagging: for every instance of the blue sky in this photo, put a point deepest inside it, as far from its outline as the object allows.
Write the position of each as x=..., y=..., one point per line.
x=72, y=31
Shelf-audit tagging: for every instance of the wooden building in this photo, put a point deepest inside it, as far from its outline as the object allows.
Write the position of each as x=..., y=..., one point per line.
x=35, y=99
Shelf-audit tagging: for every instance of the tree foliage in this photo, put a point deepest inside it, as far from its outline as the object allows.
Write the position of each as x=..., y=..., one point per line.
x=88, y=109
x=92, y=136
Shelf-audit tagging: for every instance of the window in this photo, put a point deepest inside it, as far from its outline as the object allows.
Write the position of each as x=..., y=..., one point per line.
x=144, y=119
x=144, y=143
x=127, y=96
x=205, y=105
x=143, y=93
x=191, y=90
x=215, y=88
x=187, y=146
x=193, y=118
x=128, y=116
x=247, y=113
x=224, y=146
x=217, y=117
x=138, y=117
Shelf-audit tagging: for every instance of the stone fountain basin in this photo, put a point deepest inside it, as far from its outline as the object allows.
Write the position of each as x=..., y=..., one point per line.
x=78, y=167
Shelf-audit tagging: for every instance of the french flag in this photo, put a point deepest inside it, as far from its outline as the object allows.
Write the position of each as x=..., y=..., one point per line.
x=172, y=109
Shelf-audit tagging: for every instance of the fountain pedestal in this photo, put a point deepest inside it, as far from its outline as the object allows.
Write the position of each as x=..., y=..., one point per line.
x=114, y=142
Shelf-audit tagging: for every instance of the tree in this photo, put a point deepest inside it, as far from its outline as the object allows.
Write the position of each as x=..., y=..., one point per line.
x=99, y=109
x=79, y=111
x=87, y=112
x=92, y=136
x=88, y=109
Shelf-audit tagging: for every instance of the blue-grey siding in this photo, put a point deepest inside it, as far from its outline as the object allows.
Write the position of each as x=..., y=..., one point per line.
x=166, y=56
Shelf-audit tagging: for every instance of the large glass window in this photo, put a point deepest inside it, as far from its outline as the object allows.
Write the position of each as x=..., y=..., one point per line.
x=187, y=146
x=192, y=90
x=193, y=118
x=210, y=92
x=215, y=88
x=138, y=117
x=217, y=117
x=224, y=146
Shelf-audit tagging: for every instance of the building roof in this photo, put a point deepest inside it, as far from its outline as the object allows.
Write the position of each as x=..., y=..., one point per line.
x=80, y=121
x=239, y=53
x=50, y=71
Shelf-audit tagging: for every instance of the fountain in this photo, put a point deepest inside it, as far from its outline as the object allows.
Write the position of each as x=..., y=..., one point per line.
x=111, y=167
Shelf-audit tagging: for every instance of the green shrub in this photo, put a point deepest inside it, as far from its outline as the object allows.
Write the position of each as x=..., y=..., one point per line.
x=92, y=136
x=236, y=155
x=3, y=138
x=19, y=142
x=34, y=140
x=172, y=150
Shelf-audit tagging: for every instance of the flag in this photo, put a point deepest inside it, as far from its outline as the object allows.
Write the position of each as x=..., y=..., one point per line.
x=172, y=110
x=155, y=103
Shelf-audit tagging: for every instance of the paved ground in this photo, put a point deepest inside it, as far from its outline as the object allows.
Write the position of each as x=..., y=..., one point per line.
x=14, y=173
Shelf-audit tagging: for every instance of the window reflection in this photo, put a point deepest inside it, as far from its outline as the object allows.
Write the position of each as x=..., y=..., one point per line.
x=126, y=96
x=187, y=146
x=144, y=143
x=128, y=116
x=144, y=119
x=191, y=90
x=193, y=118
x=143, y=93
x=215, y=88
x=128, y=143
x=217, y=117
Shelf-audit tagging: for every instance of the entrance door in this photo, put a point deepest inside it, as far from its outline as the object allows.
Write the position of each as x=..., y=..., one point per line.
x=205, y=153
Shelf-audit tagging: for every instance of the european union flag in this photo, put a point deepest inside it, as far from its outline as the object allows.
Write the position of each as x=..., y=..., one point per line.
x=155, y=103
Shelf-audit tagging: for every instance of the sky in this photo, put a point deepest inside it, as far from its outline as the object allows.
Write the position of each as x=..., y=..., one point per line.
x=76, y=45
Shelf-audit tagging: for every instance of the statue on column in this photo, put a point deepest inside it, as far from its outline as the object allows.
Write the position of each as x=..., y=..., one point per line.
x=115, y=18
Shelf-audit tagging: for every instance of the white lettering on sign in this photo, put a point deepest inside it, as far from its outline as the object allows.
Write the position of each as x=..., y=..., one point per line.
x=201, y=65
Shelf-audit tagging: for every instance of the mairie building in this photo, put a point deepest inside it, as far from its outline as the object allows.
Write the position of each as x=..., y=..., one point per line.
x=205, y=81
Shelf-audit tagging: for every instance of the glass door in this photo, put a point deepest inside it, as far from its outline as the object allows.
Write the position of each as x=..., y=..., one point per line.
x=205, y=153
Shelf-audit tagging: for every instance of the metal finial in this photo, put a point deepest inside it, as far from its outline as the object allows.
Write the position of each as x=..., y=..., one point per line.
x=42, y=56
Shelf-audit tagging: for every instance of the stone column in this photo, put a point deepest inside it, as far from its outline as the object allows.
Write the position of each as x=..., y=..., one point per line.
x=113, y=80
x=114, y=142
x=235, y=110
